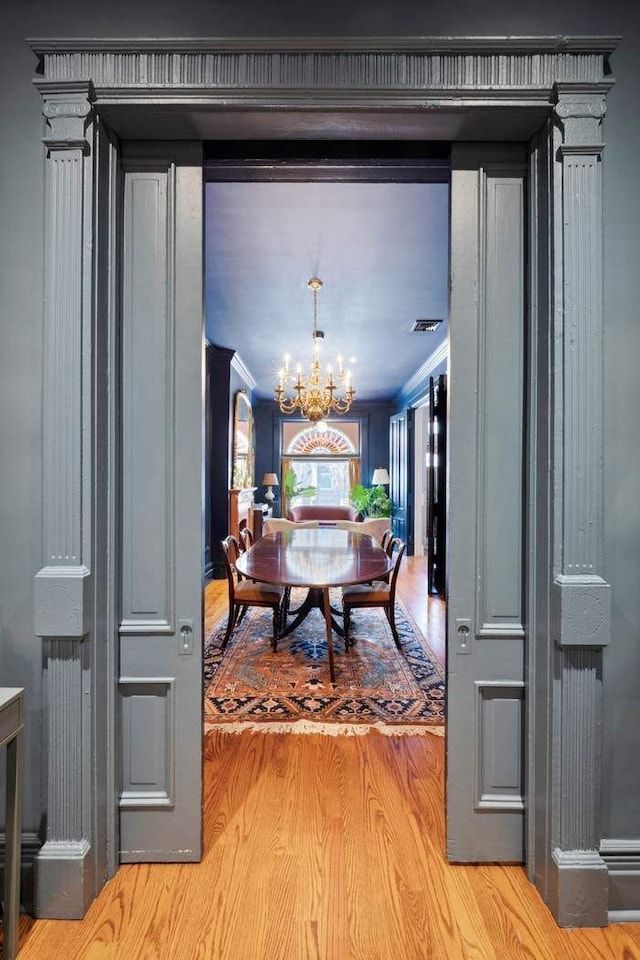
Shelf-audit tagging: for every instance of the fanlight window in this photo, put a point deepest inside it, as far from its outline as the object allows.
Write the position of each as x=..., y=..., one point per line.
x=329, y=442
x=325, y=463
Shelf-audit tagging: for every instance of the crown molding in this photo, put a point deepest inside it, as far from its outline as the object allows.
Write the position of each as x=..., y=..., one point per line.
x=559, y=43
x=240, y=367
x=434, y=360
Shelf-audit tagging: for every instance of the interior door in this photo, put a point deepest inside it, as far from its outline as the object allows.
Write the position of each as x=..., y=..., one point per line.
x=161, y=454
x=485, y=649
x=400, y=474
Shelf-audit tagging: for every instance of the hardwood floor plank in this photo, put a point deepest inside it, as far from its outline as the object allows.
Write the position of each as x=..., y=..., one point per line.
x=429, y=612
x=322, y=848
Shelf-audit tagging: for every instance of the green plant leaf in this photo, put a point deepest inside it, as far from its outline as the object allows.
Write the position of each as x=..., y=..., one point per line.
x=371, y=501
x=292, y=489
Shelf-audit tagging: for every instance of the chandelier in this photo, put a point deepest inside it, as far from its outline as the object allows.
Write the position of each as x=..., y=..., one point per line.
x=312, y=397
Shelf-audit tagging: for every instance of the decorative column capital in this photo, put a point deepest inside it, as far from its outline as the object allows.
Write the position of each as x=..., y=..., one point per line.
x=580, y=110
x=67, y=109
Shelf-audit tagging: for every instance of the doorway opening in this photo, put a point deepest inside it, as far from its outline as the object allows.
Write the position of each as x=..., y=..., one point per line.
x=373, y=220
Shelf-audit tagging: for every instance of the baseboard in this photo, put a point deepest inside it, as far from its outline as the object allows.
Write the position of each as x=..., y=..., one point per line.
x=578, y=888
x=622, y=857
x=30, y=844
x=64, y=880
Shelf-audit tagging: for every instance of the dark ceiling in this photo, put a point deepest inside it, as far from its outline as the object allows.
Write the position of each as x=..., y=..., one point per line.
x=380, y=248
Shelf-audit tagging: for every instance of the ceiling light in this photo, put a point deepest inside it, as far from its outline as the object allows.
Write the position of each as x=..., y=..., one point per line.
x=311, y=397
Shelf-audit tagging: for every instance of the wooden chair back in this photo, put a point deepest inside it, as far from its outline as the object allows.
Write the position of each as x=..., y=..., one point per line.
x=246, y=539
x=387, y=537
x=397, y=546
x=230, y=553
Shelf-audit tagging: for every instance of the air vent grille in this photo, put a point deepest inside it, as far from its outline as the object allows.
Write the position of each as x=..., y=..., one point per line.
x=425, y=326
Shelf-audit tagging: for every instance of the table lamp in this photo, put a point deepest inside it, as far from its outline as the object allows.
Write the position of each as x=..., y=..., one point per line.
x=270, y=480
x=380, y=477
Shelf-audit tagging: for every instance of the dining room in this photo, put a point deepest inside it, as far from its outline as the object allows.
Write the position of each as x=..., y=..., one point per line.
x=339, y=211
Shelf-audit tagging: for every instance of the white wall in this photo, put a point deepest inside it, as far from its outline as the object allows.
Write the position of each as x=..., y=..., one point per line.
x=21, y=201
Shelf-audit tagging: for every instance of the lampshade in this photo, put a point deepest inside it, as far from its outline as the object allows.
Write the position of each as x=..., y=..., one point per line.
x=380, y=476
x=270, y=480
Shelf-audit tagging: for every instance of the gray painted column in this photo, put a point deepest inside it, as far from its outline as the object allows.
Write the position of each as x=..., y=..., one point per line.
x=64, y=881
x=581, y=619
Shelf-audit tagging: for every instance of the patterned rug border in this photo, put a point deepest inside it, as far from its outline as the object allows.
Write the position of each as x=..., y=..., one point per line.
x=325, y=729
x=349, y=727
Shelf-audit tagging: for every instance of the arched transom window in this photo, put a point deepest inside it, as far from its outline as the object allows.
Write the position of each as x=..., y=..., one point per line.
x=319, y=466
x=313, y=442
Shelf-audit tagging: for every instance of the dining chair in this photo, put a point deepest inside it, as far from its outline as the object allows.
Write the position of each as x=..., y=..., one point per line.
x=376, y=594
x=246, y=539
x=375, y=527
x=387, y=546
x=244, y=593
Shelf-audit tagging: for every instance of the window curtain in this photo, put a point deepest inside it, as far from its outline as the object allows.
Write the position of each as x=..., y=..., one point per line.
x=354, y=472
x=285, y=466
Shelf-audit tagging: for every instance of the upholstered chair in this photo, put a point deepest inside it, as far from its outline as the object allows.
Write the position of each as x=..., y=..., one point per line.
x=276, y=524
x=376, y=527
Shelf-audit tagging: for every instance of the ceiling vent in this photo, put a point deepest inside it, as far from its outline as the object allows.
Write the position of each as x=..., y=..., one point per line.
x=425, y=326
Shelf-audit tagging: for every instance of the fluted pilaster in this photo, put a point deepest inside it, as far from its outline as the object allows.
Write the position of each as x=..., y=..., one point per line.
x=64, y=669
x=582, y=618
x=62, y=586
x=580, y=762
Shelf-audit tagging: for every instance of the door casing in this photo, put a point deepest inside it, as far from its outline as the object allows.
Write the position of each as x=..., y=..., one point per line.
x=549, y=92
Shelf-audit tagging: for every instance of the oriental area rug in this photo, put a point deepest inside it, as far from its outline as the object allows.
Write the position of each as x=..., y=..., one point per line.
x=377, y=686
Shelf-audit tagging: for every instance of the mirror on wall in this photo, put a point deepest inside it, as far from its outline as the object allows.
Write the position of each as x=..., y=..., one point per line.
x=243, y=442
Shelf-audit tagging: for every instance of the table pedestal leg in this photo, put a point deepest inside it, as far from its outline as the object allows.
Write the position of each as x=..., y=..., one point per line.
x=327, y=618
x=314, y=598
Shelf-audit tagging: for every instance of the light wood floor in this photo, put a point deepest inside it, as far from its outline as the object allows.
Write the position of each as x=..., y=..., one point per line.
x=323, y=848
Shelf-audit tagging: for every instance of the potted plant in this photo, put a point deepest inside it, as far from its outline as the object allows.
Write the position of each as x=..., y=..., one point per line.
x=371, y=501
x=292, y=489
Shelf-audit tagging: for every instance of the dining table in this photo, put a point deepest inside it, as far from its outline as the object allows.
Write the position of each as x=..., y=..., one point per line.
x=317, y=558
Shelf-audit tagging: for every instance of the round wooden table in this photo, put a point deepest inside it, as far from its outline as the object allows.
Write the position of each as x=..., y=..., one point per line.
x=318, y=558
